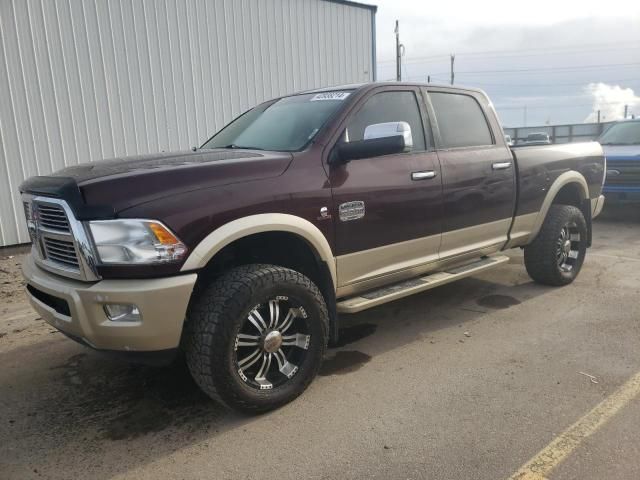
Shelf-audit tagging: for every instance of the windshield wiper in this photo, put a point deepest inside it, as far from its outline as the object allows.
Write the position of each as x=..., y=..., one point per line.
x=240, y=147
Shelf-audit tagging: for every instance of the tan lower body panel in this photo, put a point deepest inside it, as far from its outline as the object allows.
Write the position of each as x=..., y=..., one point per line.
x=362, y=271
x=162, y=303
x=524, y=225
x=522, y=228
x=417, y=285
x=474, y=238
x=377, y=262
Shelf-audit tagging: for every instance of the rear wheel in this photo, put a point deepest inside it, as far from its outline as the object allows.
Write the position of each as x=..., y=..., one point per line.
x=556, y=256
x=255, y=337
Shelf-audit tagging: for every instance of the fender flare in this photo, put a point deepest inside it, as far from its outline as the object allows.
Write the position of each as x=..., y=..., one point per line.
x=260, y=223
x=565, y=179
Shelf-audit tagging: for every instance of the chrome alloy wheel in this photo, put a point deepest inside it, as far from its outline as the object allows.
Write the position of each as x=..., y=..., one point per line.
x=568, y=247
x=272, y=343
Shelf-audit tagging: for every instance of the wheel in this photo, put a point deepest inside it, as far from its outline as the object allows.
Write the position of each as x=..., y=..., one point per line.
x=555, y=257
x=255, y=337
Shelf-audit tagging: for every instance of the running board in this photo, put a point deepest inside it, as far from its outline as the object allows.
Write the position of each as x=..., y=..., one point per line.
x=403, y=289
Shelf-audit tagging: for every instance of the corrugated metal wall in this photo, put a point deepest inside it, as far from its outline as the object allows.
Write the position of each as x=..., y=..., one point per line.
x=82, y=80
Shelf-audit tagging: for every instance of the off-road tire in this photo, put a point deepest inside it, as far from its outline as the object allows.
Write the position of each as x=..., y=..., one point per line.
x=215, y=317
x=540, y=257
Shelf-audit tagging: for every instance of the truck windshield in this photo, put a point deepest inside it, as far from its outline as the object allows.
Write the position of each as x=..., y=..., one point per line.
x=626, y=133
x=287, y=124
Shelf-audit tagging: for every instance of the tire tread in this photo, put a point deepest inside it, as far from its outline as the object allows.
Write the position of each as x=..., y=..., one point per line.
x=539, y=256
x=208, y=327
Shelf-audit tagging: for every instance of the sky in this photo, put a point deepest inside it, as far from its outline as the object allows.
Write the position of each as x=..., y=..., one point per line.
x=542, y=62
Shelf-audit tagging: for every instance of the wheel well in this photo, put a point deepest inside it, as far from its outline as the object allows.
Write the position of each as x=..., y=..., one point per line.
x=284, y=249
x=570, y=194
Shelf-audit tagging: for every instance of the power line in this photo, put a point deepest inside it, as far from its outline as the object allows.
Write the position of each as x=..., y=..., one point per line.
x=515, y=54
x=574, y=68
x=545, y=51
x=548, y=50
x=436, y=79
x=442, y=58
x=529, y=85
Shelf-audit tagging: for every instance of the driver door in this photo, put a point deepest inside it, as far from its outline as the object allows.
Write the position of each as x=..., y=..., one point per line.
x=387, y=208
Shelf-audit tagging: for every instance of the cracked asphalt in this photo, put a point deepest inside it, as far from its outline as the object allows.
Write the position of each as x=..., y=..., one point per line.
x=469, y=380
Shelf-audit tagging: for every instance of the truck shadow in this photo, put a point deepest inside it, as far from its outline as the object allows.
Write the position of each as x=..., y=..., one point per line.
x=625, y=213
x=419, y=317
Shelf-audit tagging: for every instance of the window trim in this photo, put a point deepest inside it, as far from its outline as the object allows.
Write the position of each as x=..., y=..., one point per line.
x=436, y=126
x=359, y=104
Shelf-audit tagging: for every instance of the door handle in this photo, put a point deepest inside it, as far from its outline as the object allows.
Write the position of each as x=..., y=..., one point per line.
x=423, y=175
x=501, y=165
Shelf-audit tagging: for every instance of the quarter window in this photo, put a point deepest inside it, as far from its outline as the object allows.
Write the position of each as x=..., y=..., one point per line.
x=388, y=107
x=460, y=120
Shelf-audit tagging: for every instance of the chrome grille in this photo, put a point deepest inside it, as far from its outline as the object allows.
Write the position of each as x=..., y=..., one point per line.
x=53, y=217
x=625, y=173
x=60, y=242
x=61, y=251
x=27, y=211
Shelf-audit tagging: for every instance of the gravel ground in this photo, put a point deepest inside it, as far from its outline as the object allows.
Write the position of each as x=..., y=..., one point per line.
x=467, y=381
x=18, y=322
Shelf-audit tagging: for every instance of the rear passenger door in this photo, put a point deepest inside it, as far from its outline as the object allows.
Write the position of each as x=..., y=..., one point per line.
x=478, y=173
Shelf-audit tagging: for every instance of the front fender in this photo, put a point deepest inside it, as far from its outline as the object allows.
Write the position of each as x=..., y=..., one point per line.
x=260, y=223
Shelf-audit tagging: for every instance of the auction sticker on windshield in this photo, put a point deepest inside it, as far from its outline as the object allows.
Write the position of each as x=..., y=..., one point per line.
x=329, y=96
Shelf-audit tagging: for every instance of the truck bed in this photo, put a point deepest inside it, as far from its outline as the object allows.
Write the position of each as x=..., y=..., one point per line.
x=538, y=166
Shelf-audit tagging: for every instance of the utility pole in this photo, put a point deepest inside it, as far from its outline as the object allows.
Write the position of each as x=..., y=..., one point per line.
x=453, y=58
x=428, y=78
x=525, y=116
x=398, y=57
x=598, y=116
x=626, y=111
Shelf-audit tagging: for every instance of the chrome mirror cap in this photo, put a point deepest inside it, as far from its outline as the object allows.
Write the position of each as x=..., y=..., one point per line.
x=390, y=129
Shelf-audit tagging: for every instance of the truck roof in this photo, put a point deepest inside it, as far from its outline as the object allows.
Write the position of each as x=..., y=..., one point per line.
x=363, y=86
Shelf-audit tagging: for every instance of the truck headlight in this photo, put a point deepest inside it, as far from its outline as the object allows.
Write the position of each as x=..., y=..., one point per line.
x=135, y=242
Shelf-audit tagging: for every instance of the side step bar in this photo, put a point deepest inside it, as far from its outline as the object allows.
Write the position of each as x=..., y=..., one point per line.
x=403, y=289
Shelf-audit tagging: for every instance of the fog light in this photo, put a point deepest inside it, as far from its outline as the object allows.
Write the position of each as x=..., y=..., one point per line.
x=122, y=312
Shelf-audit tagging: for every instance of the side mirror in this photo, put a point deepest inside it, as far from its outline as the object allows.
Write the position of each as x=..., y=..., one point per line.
x=374, y=147
x=379, y=139
x=390, y=129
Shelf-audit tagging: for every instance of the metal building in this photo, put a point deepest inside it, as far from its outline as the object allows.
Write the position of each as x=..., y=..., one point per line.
x=85, y=80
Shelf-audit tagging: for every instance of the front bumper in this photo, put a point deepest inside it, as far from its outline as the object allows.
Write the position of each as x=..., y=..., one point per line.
x=77, y=309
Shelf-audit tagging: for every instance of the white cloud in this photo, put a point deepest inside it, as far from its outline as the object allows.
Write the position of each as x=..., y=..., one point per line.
x=511, y=50
x=440, y=26
x=611, y=100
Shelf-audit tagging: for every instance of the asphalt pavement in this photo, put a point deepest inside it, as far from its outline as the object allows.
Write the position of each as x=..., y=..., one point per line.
x=467, y=381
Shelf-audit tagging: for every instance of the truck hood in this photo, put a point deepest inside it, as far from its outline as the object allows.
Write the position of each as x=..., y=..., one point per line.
x=622, y=152
x=116, y=184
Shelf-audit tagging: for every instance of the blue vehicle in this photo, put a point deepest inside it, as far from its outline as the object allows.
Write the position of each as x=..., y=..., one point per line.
x=621, y=143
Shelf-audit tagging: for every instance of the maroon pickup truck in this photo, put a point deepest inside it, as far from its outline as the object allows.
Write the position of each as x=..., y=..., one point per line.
x=244, y=252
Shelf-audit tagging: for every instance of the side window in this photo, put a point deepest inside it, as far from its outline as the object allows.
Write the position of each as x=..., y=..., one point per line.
x=388, y=107
x=460, y=120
